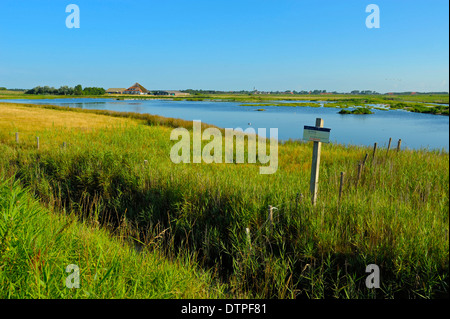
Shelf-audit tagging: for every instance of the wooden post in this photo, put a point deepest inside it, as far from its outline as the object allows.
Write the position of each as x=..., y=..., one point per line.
x=270, y=216
x=389, y=144
x=37, y=142
x=249, y=240
x=341, y=185
x=359, y=174
x=374, y=150
x=365, y=159
x=145, y=162
x=17, y=137
x=314, y=183
x=399, y=144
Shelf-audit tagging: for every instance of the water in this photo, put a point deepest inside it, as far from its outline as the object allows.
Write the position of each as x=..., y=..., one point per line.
x=415, y=129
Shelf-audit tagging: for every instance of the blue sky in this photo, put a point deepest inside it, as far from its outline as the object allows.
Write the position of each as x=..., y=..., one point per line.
x=227, y=45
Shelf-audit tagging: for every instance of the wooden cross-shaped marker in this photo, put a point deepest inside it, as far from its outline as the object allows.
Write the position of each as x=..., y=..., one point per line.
x=318, y=134
x=314, y=183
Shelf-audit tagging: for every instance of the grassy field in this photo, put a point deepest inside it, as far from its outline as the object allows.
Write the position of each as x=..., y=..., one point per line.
x=395, y=214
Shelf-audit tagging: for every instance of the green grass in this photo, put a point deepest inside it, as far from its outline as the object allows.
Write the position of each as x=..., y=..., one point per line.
x=36, y=246
x=395, y=215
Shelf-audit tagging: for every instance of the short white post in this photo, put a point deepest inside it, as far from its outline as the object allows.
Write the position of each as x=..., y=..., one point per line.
x=249, y=241
x=270, y=216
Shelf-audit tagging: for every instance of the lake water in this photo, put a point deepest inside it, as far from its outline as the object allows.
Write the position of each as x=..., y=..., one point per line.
x=415, y=129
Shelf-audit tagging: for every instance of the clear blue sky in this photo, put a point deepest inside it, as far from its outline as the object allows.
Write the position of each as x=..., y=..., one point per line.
x=227, y=44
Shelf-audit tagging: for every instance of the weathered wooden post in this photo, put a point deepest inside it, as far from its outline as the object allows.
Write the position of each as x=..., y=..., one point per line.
x=399, y=144
x=17, y=137
x=317, y=149
x=389, y=144
x=365, y=159
x=145, y=162
x=341, y=185
x=319, y=135
x=249, y=240
x=270, y=216
x=374, y=150
x=37, y=142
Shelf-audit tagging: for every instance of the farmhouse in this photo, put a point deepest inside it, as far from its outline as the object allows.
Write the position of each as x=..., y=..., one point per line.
x=115, y=91
x=136, y=89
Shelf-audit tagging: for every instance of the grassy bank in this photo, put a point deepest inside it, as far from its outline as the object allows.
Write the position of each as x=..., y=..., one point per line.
x=394, y=213
x=36, y=246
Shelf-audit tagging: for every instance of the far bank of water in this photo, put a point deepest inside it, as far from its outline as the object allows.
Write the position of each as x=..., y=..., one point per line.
x=416, y=130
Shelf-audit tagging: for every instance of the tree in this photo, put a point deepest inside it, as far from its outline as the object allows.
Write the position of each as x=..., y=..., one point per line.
x=78, y=90
x=93, y=91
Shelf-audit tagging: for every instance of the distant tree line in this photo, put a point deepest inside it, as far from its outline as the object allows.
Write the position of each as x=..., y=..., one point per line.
x=367, y=92
x=5, y=89
x=303, y=92
x=66, y=90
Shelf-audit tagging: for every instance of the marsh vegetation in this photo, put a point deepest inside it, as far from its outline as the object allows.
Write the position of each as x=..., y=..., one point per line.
x=394, y=213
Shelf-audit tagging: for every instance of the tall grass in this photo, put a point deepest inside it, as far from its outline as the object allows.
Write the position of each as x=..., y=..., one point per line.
x=395, y=215
x=37, y=245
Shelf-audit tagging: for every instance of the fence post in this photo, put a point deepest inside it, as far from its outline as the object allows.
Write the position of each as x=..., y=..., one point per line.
x=341, y=185
x=389, y=144
x=249, y=241
x=365, y=159
x=399, y=145
x=17, y=137
x=37, y=142
x=374, y=150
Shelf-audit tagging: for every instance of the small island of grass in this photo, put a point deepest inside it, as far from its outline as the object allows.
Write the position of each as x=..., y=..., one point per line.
x=359, y=110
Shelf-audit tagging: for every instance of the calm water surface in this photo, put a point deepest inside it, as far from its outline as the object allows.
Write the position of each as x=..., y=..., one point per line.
x=416, y=130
